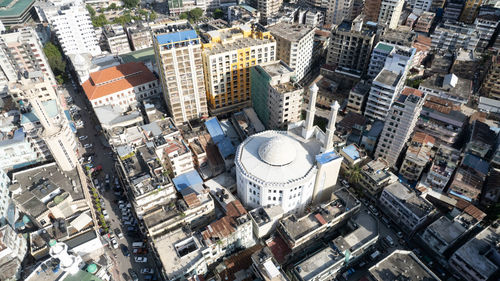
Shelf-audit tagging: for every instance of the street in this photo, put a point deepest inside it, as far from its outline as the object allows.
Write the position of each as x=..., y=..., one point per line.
x=102, y=156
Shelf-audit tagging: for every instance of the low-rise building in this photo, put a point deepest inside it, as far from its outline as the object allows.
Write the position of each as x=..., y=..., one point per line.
x=177, y=155
x=13, y=248
x=139, y=37
x=424, y=22
x=491, y=192
x=404, y=206
x=123, y=85
x=265, y=267
x=446, y=231
x=375, y=175
x=417, y=156
x=265, y=220
x=441, y=119
x=116, y=39
x=401, y=264
x=357, y=97
x=469, y=178
x=449, y=87
x=353, y=156
x=476, y=259
x=442, y=168
x=297, y=232
x=371, y=136
x=482, y=139
x=465, y=64
x=454, y=35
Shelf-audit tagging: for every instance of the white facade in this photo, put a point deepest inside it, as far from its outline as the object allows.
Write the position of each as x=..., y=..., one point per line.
x=13, y=248
x=392, y=57
x=117, y=39
x=386, y=86
x=73, y=29
x=17, y=151
x=455, y=35
x=390, y=12
x=268, y=8
x=127, y=97
x=399, y=124
x=4, y=196
x=294, y=44
x=420, y=6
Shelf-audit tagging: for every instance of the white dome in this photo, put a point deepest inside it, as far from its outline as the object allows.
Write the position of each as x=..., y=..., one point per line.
x=278, y=151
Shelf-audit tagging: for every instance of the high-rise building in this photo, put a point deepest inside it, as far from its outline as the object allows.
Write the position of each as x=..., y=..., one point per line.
x=294, y=44
x=399, y=124
x=371, y=10
x=470, y=11
x=453, y=36
x=392, y=57
x=276, y=98
x=491, y=84
x=390, y=12
x=178, y=54
x=73, y=28
x=227, y=58
x=268, y=8
x=338, y=11
x=22, y=51
x=57, y=135
x=486, y=25
x=350, y=47
x=421, y=6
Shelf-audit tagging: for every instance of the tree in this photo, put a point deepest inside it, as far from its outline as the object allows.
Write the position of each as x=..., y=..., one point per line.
x=196, y=14
x=218, y=14
x=130, y=3
x=91, y=10
x=153, y=15
x=353, y=174
x=183, y=16
x=99, y=21
x=55, y=59
x=112, y=6
x=413, y=83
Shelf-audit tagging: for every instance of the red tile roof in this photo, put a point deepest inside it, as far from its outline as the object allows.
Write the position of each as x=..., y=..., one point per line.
x=235, y=209
x=116, y=79
x=411, y=91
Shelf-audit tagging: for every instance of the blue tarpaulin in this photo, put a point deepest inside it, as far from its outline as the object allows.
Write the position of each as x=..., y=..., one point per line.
x=224, y=144
x=186, y=180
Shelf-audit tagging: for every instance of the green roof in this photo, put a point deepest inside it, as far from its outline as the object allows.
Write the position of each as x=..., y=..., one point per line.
x=92, y=268
x=139, y=56
x=82, y=276
x=384, y=47
x=15, y=9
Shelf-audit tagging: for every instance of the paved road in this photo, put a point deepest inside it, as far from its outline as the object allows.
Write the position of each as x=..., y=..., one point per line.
x=102, y=156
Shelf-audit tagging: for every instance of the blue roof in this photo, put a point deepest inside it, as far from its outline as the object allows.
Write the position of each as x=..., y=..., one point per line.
x=476, y=163
x=186, y=180
x=224, y=144
x=326, y=157
x=50, y=107
x=176, y=36
x=376, y=129
x=352, y=151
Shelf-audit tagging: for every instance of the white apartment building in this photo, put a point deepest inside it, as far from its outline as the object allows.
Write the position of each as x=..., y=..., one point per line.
x=268, y=8
x=22, y=51
x=390, y=12
x=420, y=6
x=177, y=155
x=399, y=124
x=393, y=57
x=4, y=198
x=385, y=88
x=294, y=46
x=122, y=86
x=73, y=28
x=16, y=150
x=338, y=10
x=117, y=39
x=276, y=99
x=486, y=26
x=455, y=35
x=444, y=164
x=13, y=248
x=178, y=54
x=404, y=206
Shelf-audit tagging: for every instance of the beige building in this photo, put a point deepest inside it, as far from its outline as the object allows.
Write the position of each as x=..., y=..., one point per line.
x=116, y=39
x=268, y=8
x=228, y=57
x=294, y=43
x=417, y=156
x=140, y=37
x=375, y=175
x=390, y=11
x=491, y=85
x=178, y=54
x=358, y=96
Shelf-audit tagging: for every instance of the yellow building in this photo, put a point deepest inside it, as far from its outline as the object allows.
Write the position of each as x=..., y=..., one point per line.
x=470, y=11
x=228, y=55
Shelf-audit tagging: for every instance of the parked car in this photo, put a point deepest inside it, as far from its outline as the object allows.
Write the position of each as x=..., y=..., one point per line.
x=83, y=138
x=105, y=213
x=147, y=271
x=138, y=244
x=118, y=233
x=133, y=275
x=400, y=234
x=88, y=145
x=138, y=251
x=141, y=259
x=114, y=243
x=125, y=250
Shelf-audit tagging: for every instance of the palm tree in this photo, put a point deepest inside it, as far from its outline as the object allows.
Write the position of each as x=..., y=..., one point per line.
x=353, y=174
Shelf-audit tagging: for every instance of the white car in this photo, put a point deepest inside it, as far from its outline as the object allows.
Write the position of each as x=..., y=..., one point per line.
x=141, y=259
x=105, y=214
x=115, y=243
x=83, y=138
x=147, y=271
x=88, y=145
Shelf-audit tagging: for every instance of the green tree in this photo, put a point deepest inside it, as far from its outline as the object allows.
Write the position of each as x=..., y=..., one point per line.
x=195, y=14
x=91, y=10
x=218, y=14
x=56, y=61
x=130, y=3
x=112, y=6
x=414, y=83
x=153, y=15
x=353, y=174
x=183, y=16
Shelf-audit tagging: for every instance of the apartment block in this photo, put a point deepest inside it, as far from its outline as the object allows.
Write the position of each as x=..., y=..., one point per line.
x=424, y=22
x=177, y=155
x=357, y=97
x=391, y=57
x=399, y=124
x=228, y=56
x=73, y=28
x=294, y=44
x=268, y=8
x=383, y=92
x=469, y=178
x=448, y=87
x=417, y=156
x=486, y=25
x=22, y=51
x=13, y=248
x=404, y=206
x=452, y=10
x=442, y=168
x=350, y=47
x=470, y=11
x=371, y=10
x=276, y=98
x=178, y=55
x=454, y=35
x=122, y=86
x=390, y=11
x=475, y=260
x=491, y=84
x=175, y=7
x=375, y=175
x=139, y=37
x=401, y=264
x=421, y=6
x=338, y=11
x=116, y=39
